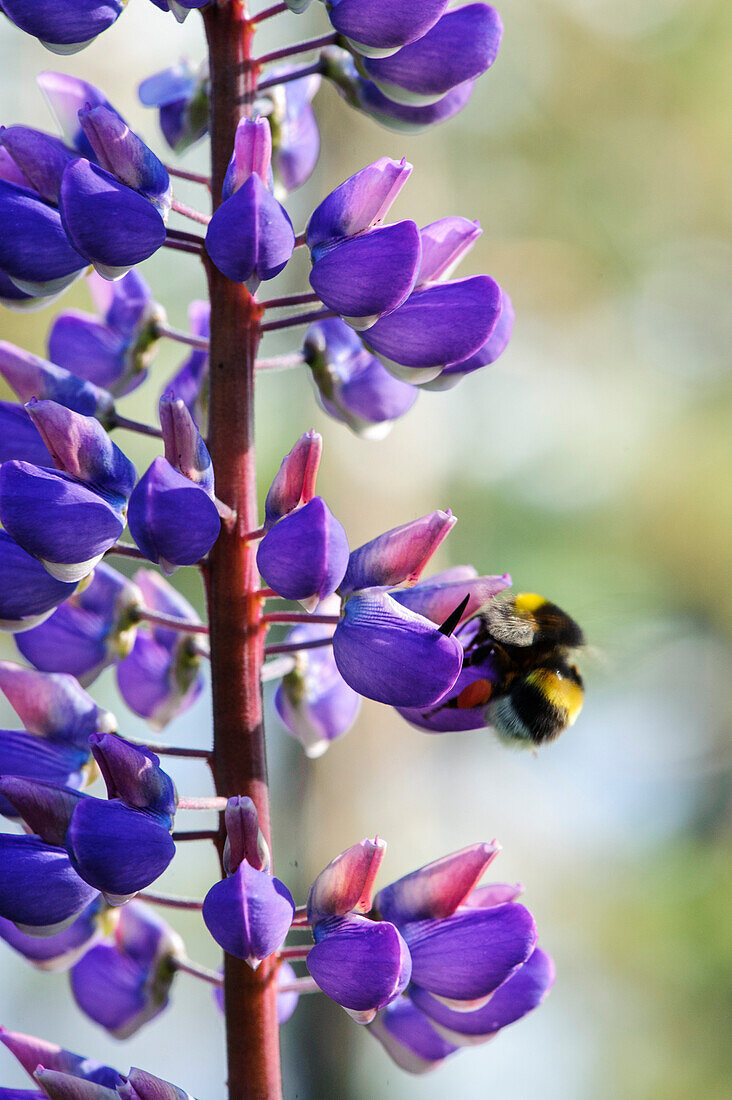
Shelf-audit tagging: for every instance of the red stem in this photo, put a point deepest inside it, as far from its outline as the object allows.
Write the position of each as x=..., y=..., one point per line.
x=239, y=763
x=298, y=319
x=299, y=47
x=285, y=78
x=299, y=617
x=276, y=9
x=295, y=647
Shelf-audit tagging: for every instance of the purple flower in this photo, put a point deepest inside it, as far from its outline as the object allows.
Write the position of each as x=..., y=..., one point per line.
x=92, y=629
x=364, y=95
x=184, y=447
x=29, y=593
x=109, y=224
x=123, y=984
x=66, y=95
x=494, y=346
x=40, y=891
x=295, y=135
x=67, y=517
x=31, y=377
x=360, y=269
x=173, y=521
x=351, y=384
x=460, y=46
x=181, y=95
x=408, y=1037
x=124, y=155
x=19, y=438
x=67, y=28
x=313, y=701
x=59, y=952
x=250, y=237
x=377, y=28
x=161, y=677
x=114, y=350
x=436, y=325
x=362, y=964
x=294, y=483
x=305, y=554
x=41, y=159
x=249, y=913
x=398, y=556
x=35, y=252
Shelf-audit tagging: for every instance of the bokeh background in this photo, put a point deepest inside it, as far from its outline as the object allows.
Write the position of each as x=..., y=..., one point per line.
x=592, y=463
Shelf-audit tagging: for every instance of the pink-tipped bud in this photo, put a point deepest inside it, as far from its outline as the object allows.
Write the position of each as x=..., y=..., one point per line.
x=252, y=155
x=244, y=839
x=346, y=885
x=438, y=889
x=184, y=447
x=294, y=483
x=398, y=556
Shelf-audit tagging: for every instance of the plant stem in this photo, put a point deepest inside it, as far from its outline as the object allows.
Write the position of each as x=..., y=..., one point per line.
x=299, y=617
x=199, y=342
x=180, y=246
x=217, y=804
x=298, y=319
x=173, y=750
x=135, y=426
x=276, y=9
x=295, y=647
x=299, y=47
x=290, y=300
x=170, y=901
x=240, y=762
x=169, y=621
x=300, y=985
x=296, y=953
x=198, y=971
x=193, y=177
x=195, y=834
x=183, y=237
x=189, y=212
x=285, y=78
x=253, y=536
x=124, y=550
x=281, y=362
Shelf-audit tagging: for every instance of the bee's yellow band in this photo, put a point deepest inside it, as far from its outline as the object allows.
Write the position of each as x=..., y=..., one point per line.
x=562, y=693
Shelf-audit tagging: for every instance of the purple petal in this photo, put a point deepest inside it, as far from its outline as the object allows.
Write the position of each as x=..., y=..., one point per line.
x=54, y=953
x=39, y=888
x=405, y=119
x=173, y=521
x=34, y=249
x=470, y=954
x=28, y=593
x=124, y=155
x=159, y=684
x=294, y=482
x=74, y=24
x=363, y=200
x=29, y=757
x=19, y=438
x=437, y=599
x=66, y=95
x=435, y=324
x=30, y=1051
x=495, y=893
x=184, y=447
x=384, y=24
x=56, y=519
x=353, y=386
x=313, y=701
x=250, y=234
x=388, y=653
x=361, y=964
x=369, y=275
x=252, y=155
x=45, y=808
x=81, y=448
x=514, y=999
x=59, y=1086
x=88, y=348
x=159, y=595
x=437, y=889
x=459, y=47
x=399, y=555
x=31, y=377
x=409, y=1039
x=116, y=849
x=133, y=774
x=249, y=913
x=444, y=243
x=494, y=346
x=305, y=554
x=53, y=706
x=41, y=158
x=346, y=884
x=111, y=225
x=297, y=143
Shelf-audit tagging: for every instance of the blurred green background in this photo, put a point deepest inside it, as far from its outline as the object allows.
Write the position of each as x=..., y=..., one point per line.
x=592, y=463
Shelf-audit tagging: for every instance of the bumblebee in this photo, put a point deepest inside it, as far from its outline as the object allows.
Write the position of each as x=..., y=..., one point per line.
x=535, y=691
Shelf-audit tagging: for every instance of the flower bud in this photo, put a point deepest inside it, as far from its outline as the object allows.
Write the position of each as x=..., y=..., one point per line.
x=173, y=521
x=123, y=984
x=133, y=774
x=398, y=556
x=252, y=155
x=294, y=482
x=124, y=155
x=244, y=839
x=250, y=236
x=305, y=554
x=346, y=884
x=249, y=913
x=184, y=447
